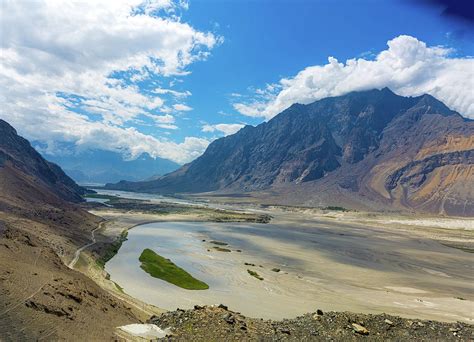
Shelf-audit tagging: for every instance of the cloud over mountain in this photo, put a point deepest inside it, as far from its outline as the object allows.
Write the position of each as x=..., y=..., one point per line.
x=408, y=66
x=227, y=129
x=71, y=71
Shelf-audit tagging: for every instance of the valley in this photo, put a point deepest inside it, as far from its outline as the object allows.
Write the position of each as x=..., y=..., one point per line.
x=237, y=171
x=331, y=260
x=269, y=226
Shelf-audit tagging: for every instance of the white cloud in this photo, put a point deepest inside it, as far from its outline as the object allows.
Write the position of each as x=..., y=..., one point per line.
x=64, y=67
x=133, y=143
x=130, y=142
x=227, y=129
x=409, y=67
x=181, y=107
x=167, y=126
x=172, y=92
x=164, y=119
x=254, y=109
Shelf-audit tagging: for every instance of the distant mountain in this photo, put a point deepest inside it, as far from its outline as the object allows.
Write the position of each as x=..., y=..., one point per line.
x=99, y=166
x=22, y=169
x=370, y=149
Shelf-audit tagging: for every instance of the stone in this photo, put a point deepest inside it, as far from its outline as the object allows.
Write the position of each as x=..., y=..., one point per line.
x=389, y=322
x=229, y=318
x=320, y=312
x=360, y=329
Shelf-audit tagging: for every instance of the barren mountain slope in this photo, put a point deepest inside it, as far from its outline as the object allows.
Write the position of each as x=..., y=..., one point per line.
x=424, y=162
x=373, y=149
x=40, y=297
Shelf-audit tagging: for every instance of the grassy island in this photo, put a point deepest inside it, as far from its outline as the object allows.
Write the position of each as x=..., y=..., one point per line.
x=162, y=268
x=255, y=274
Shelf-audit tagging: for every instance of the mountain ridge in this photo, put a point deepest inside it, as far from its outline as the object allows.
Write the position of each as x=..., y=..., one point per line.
x=354, y=141
x=100, y=166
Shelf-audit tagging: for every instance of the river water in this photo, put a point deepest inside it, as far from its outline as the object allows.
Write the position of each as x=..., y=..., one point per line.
x=328, y=266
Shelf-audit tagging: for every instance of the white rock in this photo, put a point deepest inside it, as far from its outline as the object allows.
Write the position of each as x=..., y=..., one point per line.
x=360, y=329
x=148, y=331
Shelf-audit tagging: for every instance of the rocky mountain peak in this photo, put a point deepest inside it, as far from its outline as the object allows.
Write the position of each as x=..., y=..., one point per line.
x=336, y=143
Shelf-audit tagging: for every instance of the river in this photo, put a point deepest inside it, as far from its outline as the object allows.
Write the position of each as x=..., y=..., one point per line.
x=328, y=266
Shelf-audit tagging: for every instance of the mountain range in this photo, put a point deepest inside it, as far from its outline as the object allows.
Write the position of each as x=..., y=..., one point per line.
x=100, y=166
x=369, y=150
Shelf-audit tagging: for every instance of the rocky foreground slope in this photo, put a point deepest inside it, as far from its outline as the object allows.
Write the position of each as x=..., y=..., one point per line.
x=40, y=228
x=371, y=149
x=217, y=323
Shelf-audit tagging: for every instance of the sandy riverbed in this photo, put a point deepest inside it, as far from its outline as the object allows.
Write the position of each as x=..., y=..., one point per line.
x=325, y=263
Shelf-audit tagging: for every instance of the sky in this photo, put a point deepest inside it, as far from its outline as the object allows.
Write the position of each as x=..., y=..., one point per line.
x=168, y=77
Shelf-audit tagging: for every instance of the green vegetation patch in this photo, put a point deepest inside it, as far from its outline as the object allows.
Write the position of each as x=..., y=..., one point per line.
x=112, y=249
x=254, y=274
x=108, y=197
x=220, y=249
x=276, y=269
x=120, y=288
x=165, y=208
x=164, y=269
x=336, y=208
x=219, y=243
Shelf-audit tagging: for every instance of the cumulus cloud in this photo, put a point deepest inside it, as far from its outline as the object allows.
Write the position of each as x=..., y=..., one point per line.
x=408, y=66
x=254, y=109
x=227, y=129
x=132, y=143
x=69, y=71
x=164, y=121
x=181, y=107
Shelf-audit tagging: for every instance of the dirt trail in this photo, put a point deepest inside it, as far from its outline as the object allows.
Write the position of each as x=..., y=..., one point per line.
x=78, y=252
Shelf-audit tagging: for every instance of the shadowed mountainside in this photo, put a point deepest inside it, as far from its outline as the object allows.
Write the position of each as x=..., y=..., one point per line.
x=21, y=161
x=360, y=148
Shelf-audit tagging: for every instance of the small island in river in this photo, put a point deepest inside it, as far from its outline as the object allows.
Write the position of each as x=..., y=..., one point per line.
x=162, y=268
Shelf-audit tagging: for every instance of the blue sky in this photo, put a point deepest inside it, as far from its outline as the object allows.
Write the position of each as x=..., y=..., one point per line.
x=268, y=40
x=168, y=77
